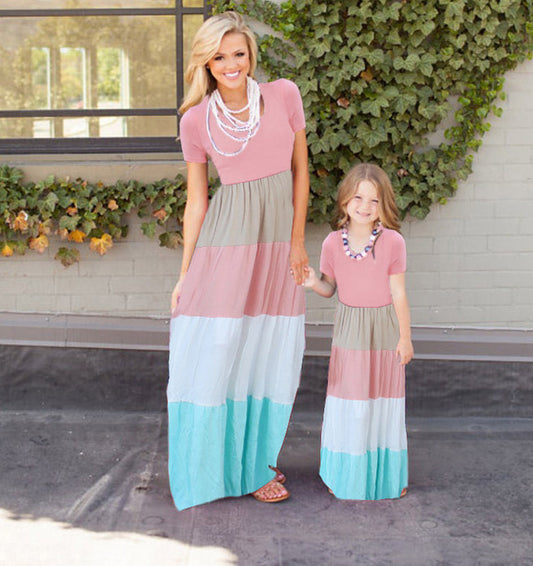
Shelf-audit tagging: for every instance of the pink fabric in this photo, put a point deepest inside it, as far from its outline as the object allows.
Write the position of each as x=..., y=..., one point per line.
x=364, y=283
x=267, y=153
x=362, y=375
x=272, y=292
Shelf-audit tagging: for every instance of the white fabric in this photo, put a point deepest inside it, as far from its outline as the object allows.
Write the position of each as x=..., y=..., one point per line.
x=232, y=358
x=356, y=427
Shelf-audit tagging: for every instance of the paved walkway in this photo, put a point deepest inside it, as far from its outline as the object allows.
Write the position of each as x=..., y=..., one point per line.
x=90, y=488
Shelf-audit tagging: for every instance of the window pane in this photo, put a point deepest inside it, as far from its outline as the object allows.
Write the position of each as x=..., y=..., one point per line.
x=191, y=23
x=88, y=62
x=87, y=4
x=108, y=126
x=193, y=3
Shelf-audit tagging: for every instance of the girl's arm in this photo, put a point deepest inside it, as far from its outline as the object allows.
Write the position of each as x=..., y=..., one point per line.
x=325, y=286
x=300, y=195
x=193, y=219
x=399, y=299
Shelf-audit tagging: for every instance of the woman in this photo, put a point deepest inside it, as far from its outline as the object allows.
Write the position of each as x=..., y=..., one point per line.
x=237, y=330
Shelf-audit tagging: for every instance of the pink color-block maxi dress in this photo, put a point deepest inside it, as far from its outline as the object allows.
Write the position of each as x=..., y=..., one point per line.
x=237, y=334
x=364, y=442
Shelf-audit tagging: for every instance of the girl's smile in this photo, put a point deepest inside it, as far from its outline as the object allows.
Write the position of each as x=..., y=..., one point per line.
x=363, y=208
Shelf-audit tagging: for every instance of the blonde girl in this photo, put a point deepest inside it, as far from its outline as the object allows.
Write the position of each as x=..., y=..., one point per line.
x=364, y=444
x=237, y=328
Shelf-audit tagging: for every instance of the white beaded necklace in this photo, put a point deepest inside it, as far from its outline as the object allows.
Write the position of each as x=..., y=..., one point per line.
x=231, y=125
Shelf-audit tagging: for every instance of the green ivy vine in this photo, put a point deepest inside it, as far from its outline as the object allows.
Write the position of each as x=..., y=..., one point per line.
x=378, y=76
x=82, y=212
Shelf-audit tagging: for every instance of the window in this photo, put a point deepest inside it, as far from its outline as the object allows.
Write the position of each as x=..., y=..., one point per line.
x=93, y=75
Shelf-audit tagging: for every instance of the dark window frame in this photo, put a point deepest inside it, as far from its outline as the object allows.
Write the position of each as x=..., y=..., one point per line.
x=104, y=144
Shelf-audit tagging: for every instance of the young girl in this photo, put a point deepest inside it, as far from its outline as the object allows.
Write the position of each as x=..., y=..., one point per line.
x=364, y=443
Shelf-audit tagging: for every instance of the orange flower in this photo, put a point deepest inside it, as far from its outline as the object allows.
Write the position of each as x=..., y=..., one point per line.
x=160, y=214
x=7, y=250
x=72, y=210
x=112, y=204
x=21, y=221
x=39, y=244
x=101, y=245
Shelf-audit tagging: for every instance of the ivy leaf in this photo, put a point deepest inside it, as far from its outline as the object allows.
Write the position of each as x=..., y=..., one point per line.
x=148, y=228
x=39, y=244
x=374, y=106
x=68, y=222
x=371, y=136
x=67, y=256
x=171, y=240
x=101, y=245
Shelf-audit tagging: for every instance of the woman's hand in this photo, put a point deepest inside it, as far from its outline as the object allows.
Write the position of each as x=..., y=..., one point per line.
x=404, y=351
x=299, y=262
x=176, y=294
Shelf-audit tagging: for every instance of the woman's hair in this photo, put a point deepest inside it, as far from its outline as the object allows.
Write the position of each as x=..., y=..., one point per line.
x=205, y=45
x=388, y=211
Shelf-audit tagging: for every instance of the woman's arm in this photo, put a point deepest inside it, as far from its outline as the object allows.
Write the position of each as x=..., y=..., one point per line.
x=300, y=175
x=193, y=219
x=401, y=305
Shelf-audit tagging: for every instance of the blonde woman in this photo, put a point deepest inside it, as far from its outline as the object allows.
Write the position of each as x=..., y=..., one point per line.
x=237, y=330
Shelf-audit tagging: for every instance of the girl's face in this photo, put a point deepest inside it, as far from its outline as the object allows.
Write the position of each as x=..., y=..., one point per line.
x=363, y=207
x=231, y=63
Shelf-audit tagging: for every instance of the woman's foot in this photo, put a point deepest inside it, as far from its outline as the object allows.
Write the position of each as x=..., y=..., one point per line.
x=280, y=476
x=403, y=493
x=272, y=492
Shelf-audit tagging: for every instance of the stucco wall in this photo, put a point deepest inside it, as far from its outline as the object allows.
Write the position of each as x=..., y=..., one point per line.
x=470, y=262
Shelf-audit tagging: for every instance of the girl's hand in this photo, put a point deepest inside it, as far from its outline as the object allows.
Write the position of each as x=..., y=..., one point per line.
x=310, y=277
x=176, y=294
x=405, y=351
x=298, y=262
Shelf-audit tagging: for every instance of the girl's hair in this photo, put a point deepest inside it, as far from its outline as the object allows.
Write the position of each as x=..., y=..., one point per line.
x=388, y=211
x=205, y=44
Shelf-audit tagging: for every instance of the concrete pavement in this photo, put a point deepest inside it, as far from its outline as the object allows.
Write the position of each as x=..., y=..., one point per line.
x=83, y=484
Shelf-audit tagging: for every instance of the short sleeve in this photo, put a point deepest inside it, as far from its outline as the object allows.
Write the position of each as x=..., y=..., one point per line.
x=191, y=145
x=295, y=107
x=326, y=257
x=398, y=262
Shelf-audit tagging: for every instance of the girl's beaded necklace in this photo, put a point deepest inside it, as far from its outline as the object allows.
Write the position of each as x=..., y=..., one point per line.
x=369, y=247
x=235, y=129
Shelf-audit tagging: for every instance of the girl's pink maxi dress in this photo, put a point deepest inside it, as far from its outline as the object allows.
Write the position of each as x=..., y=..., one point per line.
x=364, y=442
x=237, y=334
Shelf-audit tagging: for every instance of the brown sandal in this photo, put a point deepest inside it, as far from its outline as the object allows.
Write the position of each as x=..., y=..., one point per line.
x=272, y=492
x=280, y=476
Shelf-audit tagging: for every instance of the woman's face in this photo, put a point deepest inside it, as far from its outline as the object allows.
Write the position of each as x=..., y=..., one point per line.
x=231, y=63
x=363, y=208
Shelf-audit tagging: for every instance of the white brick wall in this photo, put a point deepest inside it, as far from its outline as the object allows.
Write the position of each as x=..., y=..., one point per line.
x=470, y=262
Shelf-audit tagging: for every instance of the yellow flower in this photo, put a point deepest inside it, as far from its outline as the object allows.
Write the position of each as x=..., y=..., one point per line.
x=112, y=204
